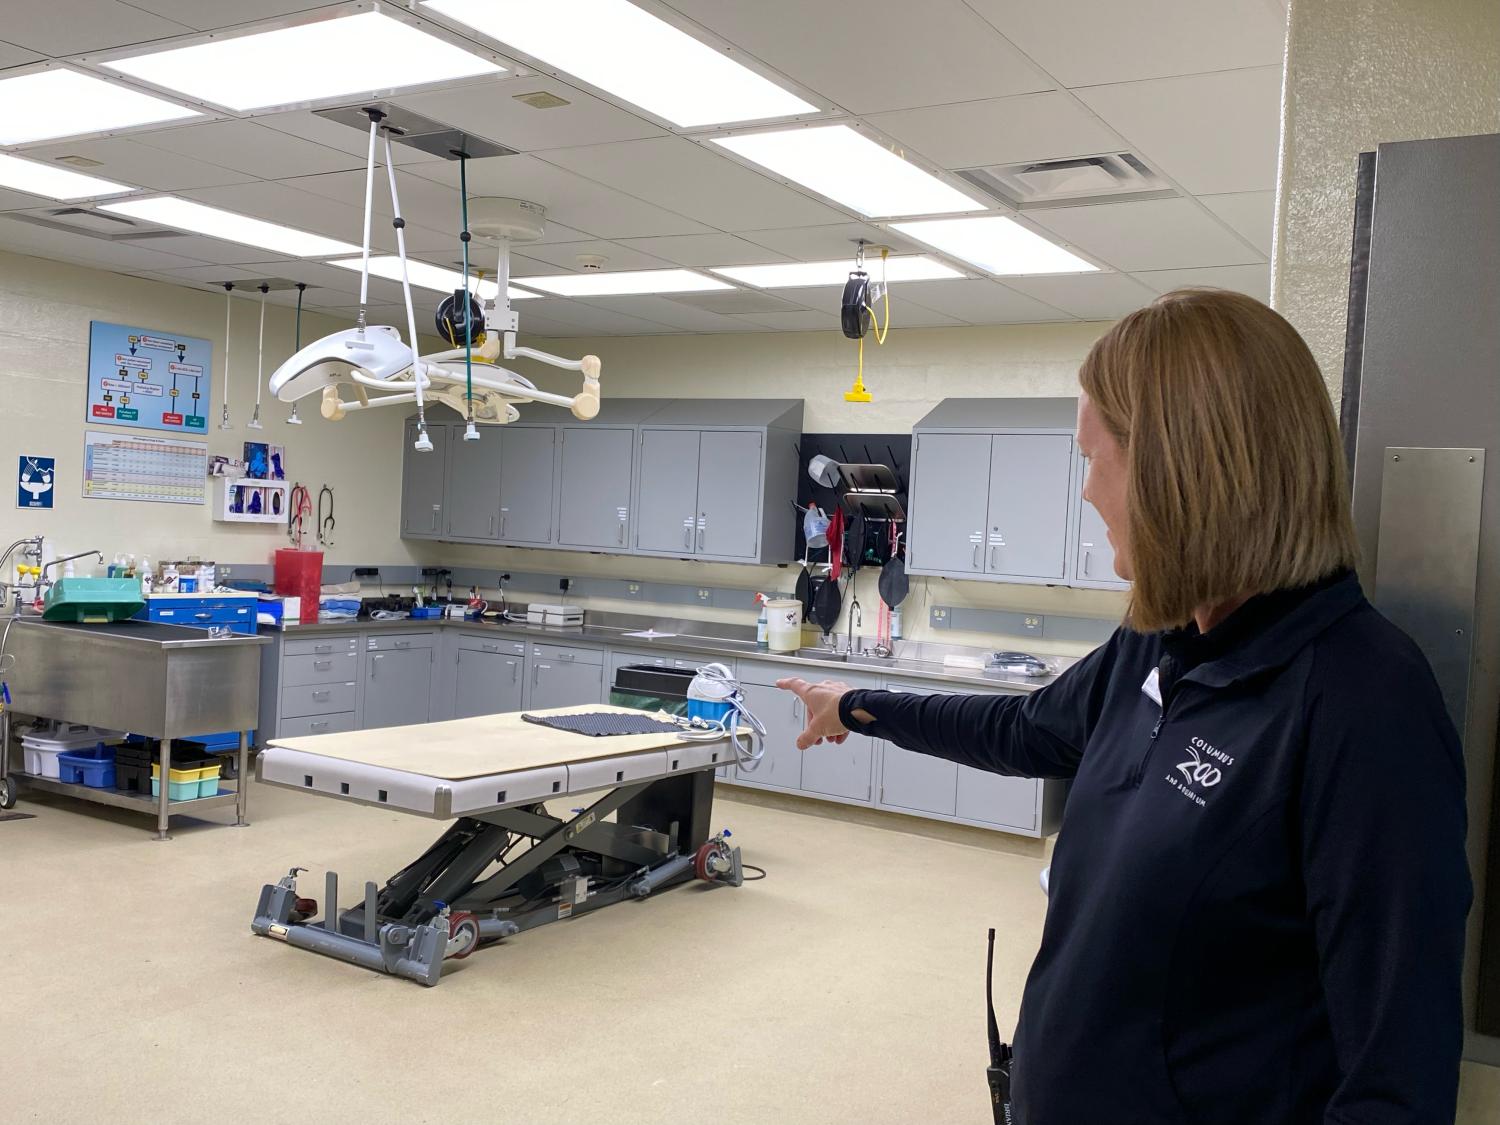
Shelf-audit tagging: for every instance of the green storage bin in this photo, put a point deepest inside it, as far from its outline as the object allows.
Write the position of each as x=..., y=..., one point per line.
x=178, y=790
x=93, y=600
x=208, y=783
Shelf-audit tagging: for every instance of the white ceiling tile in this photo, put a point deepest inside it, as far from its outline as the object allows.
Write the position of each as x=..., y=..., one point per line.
x=975, y=302
x=67, y=27
x=205, y=15
x=1146, y=234
x=1000, y=131
x=564, y=255
x=1251, y=213
x=814, y=244
x=330, y=134
x=702, y=250
x=1088, y=42
x=1212, y=133
x=490, y=110
x=127, y=160
x=1254, y=280
x=572, y=200
x=11, y=55
x=202, y=249
x=674, y=314
x=576, y=318
x=327, y=285
x=81, y=249
x=247, y=146
x=692, y=180
x=19, y=201
x=873, y=55
x=794, y=321
x=1092, y=296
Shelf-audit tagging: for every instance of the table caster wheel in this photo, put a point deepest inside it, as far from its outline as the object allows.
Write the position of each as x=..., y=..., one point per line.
x=463, y=935
x=7, y=794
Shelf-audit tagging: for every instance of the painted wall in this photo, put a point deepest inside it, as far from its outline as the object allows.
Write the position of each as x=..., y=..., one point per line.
x=45, y=309
x=1359, y=73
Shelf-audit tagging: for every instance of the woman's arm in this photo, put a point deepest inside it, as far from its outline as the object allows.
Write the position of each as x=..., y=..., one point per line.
x=1387, y=881
x=1040, y=735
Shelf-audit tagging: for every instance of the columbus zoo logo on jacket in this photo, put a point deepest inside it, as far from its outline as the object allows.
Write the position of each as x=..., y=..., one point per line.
x=1202, y=768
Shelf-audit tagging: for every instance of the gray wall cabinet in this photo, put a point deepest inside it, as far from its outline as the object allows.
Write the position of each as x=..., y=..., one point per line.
x=710, y=480
x=595, y=485
x=423, y=484
x=1093, y=559
x=994, y=491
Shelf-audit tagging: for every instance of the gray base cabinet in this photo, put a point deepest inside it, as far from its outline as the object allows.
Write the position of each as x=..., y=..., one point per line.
x=562, y=676
x=917, y=783
x=488, y=678
x=780, y=766
x=398, y=680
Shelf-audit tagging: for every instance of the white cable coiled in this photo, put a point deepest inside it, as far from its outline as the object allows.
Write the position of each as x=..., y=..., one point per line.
x=722, y=687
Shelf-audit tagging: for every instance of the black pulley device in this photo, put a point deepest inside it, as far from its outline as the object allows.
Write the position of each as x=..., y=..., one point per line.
x=455, y=316
x=854, y=310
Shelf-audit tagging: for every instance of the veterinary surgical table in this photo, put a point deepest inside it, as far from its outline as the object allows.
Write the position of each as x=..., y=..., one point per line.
x=494, y=774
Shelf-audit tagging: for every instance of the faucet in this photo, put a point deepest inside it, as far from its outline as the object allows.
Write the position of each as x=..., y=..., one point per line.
x=45, y=581
x=856, y=619
x=31, y=549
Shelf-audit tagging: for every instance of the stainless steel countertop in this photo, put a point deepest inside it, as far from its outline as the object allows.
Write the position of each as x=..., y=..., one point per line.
x=148, y=633
x=724, y=644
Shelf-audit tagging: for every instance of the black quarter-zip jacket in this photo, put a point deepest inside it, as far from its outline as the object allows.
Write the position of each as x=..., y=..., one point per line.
x=1259, y=890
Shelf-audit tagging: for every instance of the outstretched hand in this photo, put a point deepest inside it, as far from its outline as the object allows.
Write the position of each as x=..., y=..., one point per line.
x=821, y=702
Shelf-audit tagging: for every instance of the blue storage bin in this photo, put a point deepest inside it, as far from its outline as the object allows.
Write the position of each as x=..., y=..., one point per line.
x=177, y=790
x=94, y=768
x=713, y=712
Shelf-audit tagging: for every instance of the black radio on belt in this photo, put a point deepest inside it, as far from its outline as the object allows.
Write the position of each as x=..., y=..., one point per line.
x=854, y=309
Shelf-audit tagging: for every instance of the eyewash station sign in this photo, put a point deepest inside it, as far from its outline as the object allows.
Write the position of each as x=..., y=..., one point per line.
x=148, y=379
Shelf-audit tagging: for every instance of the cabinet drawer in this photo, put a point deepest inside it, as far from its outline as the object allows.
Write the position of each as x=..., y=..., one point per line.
x=397, y=642
x=312, y=724
x=469, y=642
x=337, y=668
x=568, y=655
x=319, y=646
x=316, y=699
x=204, y=611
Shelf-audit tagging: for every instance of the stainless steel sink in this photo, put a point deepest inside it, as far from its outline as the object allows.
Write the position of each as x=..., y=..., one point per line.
x=823, y=654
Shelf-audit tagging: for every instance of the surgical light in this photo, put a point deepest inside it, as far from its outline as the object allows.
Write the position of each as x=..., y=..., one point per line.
x=797, y=275
x=850, y=168
x=997, y=245
x=306, y=62
x=424, y=275
x=625, y=283
x=199, y=218
x=53, y=183
x=631, y=54
x=50, y=104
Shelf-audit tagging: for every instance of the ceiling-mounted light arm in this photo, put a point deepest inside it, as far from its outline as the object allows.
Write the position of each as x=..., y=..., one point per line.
x=292, y=419
x=423, y=444
x=228, y=305
x=260, y=359
x=376, y=116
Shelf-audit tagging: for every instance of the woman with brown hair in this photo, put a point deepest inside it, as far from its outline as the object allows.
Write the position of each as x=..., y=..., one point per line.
x=1259, y=890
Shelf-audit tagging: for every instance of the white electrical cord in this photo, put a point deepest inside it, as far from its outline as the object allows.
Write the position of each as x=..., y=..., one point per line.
x=423, y=443
x=260, y=360
x=748, y=756
x=228, y=306
x=364, y=273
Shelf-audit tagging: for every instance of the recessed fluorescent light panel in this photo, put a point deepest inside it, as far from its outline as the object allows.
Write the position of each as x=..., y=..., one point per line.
x=791, y=275
x=307, y=62
x=52, y=182
x=849, y=168
x=996, y=245
x=424, y=275
x=197, y=218
x=625, y=283
x=48, y=104
x=628, y=52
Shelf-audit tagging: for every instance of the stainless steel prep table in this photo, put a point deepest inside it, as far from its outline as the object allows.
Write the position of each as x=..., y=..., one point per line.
x=162, y=681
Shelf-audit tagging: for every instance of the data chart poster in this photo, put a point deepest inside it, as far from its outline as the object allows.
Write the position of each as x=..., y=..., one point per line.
x=135, y=467
x=148, y=379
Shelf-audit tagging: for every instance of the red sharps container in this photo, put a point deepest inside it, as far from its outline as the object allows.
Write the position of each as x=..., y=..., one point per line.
x=299, y=574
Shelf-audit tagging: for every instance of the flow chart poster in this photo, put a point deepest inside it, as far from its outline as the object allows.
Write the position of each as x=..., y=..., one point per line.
x=34, y=482
x=124, y=467
x=152, y=380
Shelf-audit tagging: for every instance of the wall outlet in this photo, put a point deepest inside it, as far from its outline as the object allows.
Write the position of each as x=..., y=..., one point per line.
x=223, y=572
x=1033, y=623
x=705, y=595
x=633, y=588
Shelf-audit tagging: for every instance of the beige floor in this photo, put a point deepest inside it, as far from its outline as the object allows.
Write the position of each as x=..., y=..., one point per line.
x=845, y=987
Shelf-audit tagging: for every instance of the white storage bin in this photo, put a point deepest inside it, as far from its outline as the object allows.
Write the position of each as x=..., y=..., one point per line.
x=39, y=751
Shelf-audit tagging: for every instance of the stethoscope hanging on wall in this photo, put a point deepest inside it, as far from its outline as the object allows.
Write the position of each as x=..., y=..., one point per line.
x=325, y=521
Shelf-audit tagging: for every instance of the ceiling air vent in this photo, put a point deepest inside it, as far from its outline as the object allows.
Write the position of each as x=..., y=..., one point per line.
x=418, y=132
x=94, y=224
x=1091, y=179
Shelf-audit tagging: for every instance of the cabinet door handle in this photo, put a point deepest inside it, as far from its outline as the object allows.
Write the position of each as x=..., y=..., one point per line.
x=322, y=648
x=322, y=694
x=993, y=565
x=203, y=617
x=322, y=665
x=976, y=557
x=1088, y=559
x=316, y=726
x=515, y=671
x=622, y=533
x=492, y=526
x=375, y=665
x=403, y=644
x=687, y=535
x=700, y=537
x=490, y=648
x=502, y=524
x=567, y=656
